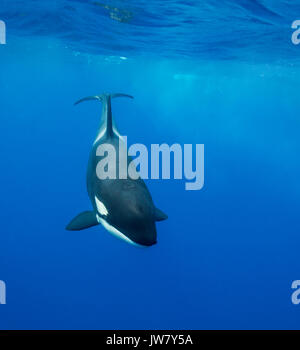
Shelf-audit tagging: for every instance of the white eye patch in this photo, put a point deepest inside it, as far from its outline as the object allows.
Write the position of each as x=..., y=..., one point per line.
x=101, y=207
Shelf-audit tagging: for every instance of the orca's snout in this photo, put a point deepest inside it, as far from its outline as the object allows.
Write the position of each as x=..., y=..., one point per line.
x=149, y=243
x=146, y=237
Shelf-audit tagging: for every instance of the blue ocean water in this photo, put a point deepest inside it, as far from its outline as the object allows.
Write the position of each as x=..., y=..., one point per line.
x=224, y=75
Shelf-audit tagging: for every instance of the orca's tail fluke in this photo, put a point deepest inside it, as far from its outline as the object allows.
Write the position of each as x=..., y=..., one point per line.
x=106, y=109
x=102, y=97
x=89, y=98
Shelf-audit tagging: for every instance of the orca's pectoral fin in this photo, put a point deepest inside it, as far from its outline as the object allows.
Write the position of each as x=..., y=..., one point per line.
x=159, y=215
x=83, y=220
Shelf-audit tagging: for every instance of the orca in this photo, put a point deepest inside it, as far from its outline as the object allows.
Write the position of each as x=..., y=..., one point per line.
x=124, y=206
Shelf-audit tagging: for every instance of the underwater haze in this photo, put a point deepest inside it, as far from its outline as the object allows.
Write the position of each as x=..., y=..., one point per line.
x=223, y=74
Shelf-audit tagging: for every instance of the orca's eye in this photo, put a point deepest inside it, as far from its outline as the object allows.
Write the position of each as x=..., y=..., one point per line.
x=140, y=208
x=128, y=185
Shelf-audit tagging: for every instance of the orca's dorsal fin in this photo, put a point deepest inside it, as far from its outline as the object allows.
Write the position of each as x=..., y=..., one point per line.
x=82, y=221
x=106, y=108
x=160, y=215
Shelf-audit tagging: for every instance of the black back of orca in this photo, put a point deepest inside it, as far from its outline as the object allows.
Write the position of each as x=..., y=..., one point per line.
x=123, y=206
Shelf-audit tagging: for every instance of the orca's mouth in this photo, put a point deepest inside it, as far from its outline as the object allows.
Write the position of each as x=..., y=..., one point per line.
x=146, y=243
x=150, y=244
